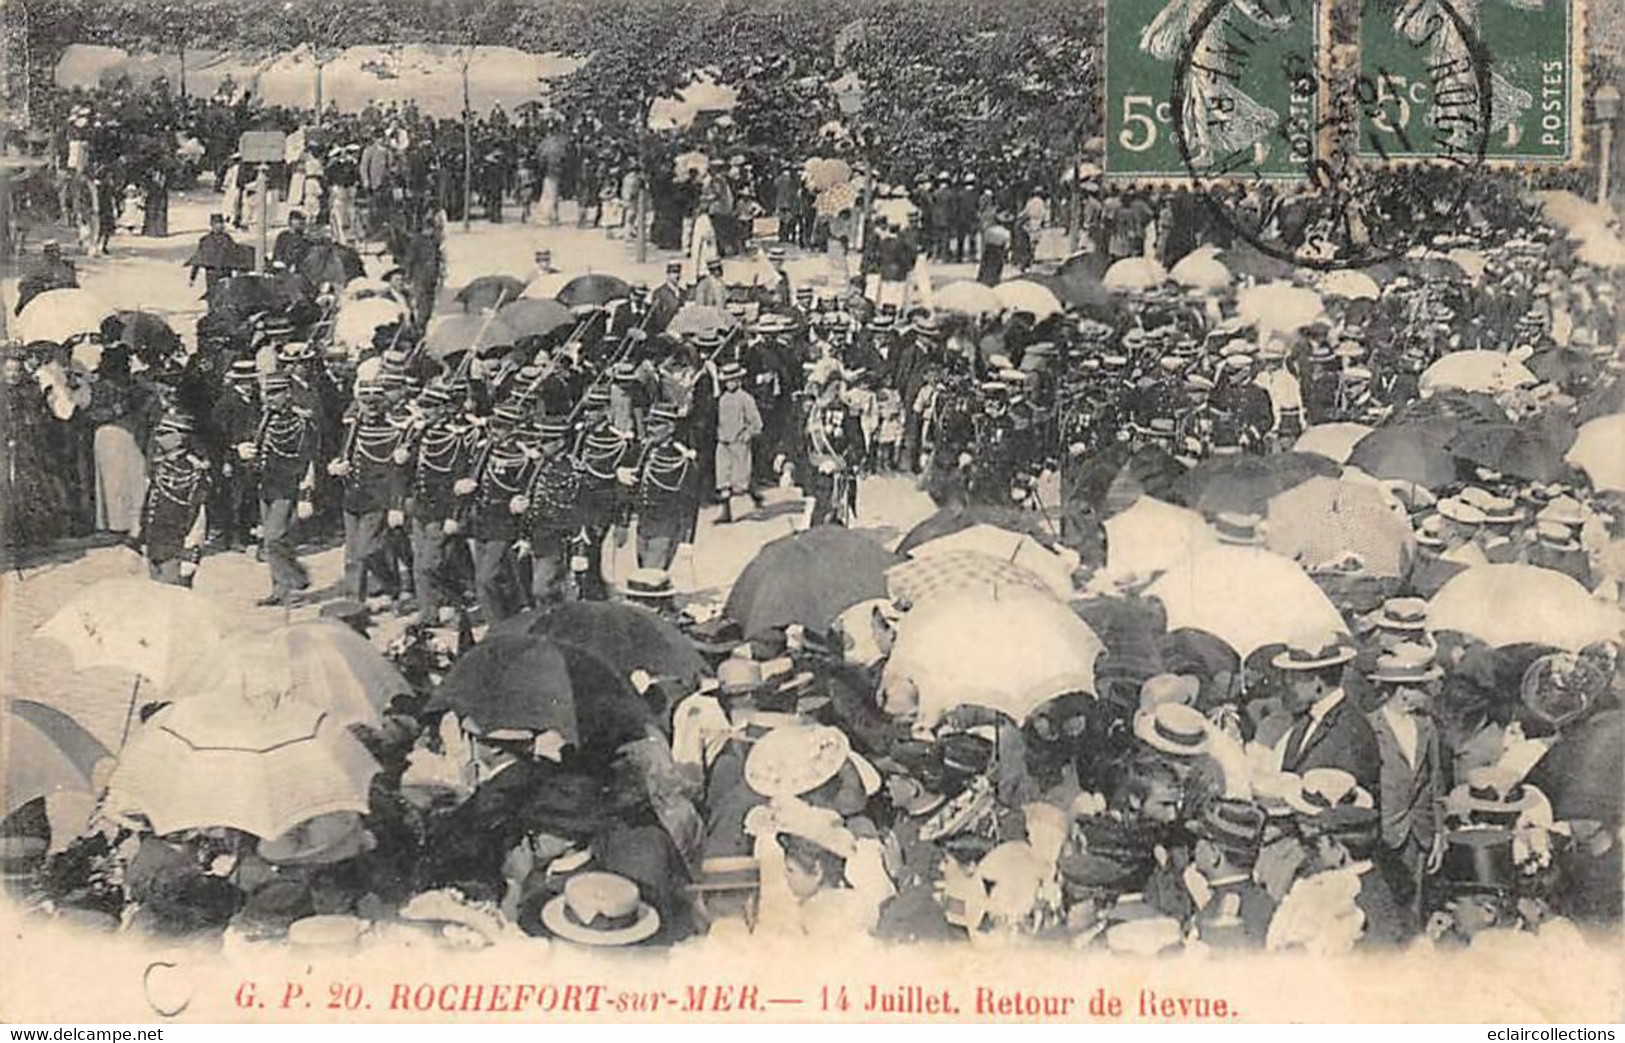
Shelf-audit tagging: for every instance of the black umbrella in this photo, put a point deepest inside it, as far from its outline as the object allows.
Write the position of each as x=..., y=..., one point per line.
x=626, y=637
x=246, y=294
x=536, y=317
x=950, y=520
x=593, y=290
x=1581, y=773
x=809, y=578
x=1532, y=451
x=333, y=263
x=512, y=681
x=147, y=332
x=1246, y=484
x=489, y=291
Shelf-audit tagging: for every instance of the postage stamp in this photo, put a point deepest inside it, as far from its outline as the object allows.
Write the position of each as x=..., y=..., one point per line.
x=1238, y=112
x=1535, y=81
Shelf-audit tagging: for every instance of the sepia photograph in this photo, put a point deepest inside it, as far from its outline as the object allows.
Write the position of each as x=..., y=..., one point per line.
x=753, y=511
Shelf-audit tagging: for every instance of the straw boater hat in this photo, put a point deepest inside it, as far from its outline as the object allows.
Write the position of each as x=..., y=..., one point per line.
x=1325, y=790
x=1492, y=791
x=649, y=585
x=1305, y=655
x=601, y=909
x=739, y=676
x=1556, y=536
x=1406, y=664
x=796, y=759
x=1240, y=530
x=1460, y=511
x=1173, y=728
x=1403, y=614
x=732, y=371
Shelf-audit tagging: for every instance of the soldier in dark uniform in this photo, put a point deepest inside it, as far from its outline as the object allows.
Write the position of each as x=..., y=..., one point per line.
x=767, y=379
x=502, y=473
x=217, y=254
x=668, y=491
x=991, y=470
x=607, y=457
x=285, y=451
x=372, y=466
x=442, y=450
x=236, y=420
x=553, y=518
x=173, y=518
x=834, y=450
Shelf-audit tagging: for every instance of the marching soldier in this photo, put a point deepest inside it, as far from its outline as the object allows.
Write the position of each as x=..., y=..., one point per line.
x=553, y=518
x=237, y=418
x=668, y=492
x=372, y=467
x=607, y=456
x=834, y=447
x=501, y=476
x=442, y=452
x=173, y=520
x=285, y=450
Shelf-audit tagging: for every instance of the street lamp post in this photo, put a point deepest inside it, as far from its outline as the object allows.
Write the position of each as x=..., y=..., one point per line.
x=1605, y=109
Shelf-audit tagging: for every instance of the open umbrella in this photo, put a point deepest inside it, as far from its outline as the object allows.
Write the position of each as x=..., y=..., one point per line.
x=1282, y=306
x=593, y=290
x=148, y=333
x=450, y=334
x=1334, y=441
x=1245, y=484
x=512, y=681
x=1076, y=288
x=1565, y=367
x=1412, y=453
x=695, y=320
x=1248, y=261
x=46, y=752
x=959, y=574
x=628, y=637
x=489, y=291
x=204, y=763
x=808, y=578
x=967, y=298
x=1012, y=654
x=820, y=174
x=1325, y=519
x=949, y=520
x=1201, y=269
x=695, y=161
x=362, y=288
x=533, y=317
x=547, y=285
x=1152, y=535
x=58, y=316
x=1597, y=451
x=359, y=320
x=1532, y=450
x=1134, y=273
x=1491, y=372
x=1349, y=284
x=1028, y=296
x=1524, y=604
x=1018, y=548
x=1580, y=774
x=153, y=629
x=1219, y=590
x=331, y=262
x=321, y=663
x=1472, y=262
x=242, y=295
x=836, y=200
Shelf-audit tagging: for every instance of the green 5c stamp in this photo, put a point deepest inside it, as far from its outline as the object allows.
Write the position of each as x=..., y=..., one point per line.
x=1410, y=51
x=1237, y=112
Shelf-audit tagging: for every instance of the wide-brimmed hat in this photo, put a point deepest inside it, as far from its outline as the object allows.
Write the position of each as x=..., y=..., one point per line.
x=1430, y=532
x=1173, y=728
x=1492, y=791
x=1558, y=688
x=1160, y=689
x=602, y=909
x=649, y=585
x=796, y=759
x=1556, y=536
x=739, y=676
x=1271, y=790
x=1406, y=664
x=1303, y=655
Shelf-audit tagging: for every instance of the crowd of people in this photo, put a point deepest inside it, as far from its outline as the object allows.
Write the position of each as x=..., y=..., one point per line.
x=1324, y=753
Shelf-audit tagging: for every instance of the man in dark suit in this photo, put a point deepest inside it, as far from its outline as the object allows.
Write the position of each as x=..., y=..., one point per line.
x=666, y=300
x=1412, y=783
x=1328, y=730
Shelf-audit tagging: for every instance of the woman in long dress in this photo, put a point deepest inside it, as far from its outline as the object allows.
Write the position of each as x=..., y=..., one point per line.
x=116, y=409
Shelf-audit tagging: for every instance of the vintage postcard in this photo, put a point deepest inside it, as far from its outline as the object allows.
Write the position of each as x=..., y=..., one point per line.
x=886, y=511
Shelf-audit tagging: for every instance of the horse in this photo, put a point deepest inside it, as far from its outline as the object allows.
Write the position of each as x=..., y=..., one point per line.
x=418, y=254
